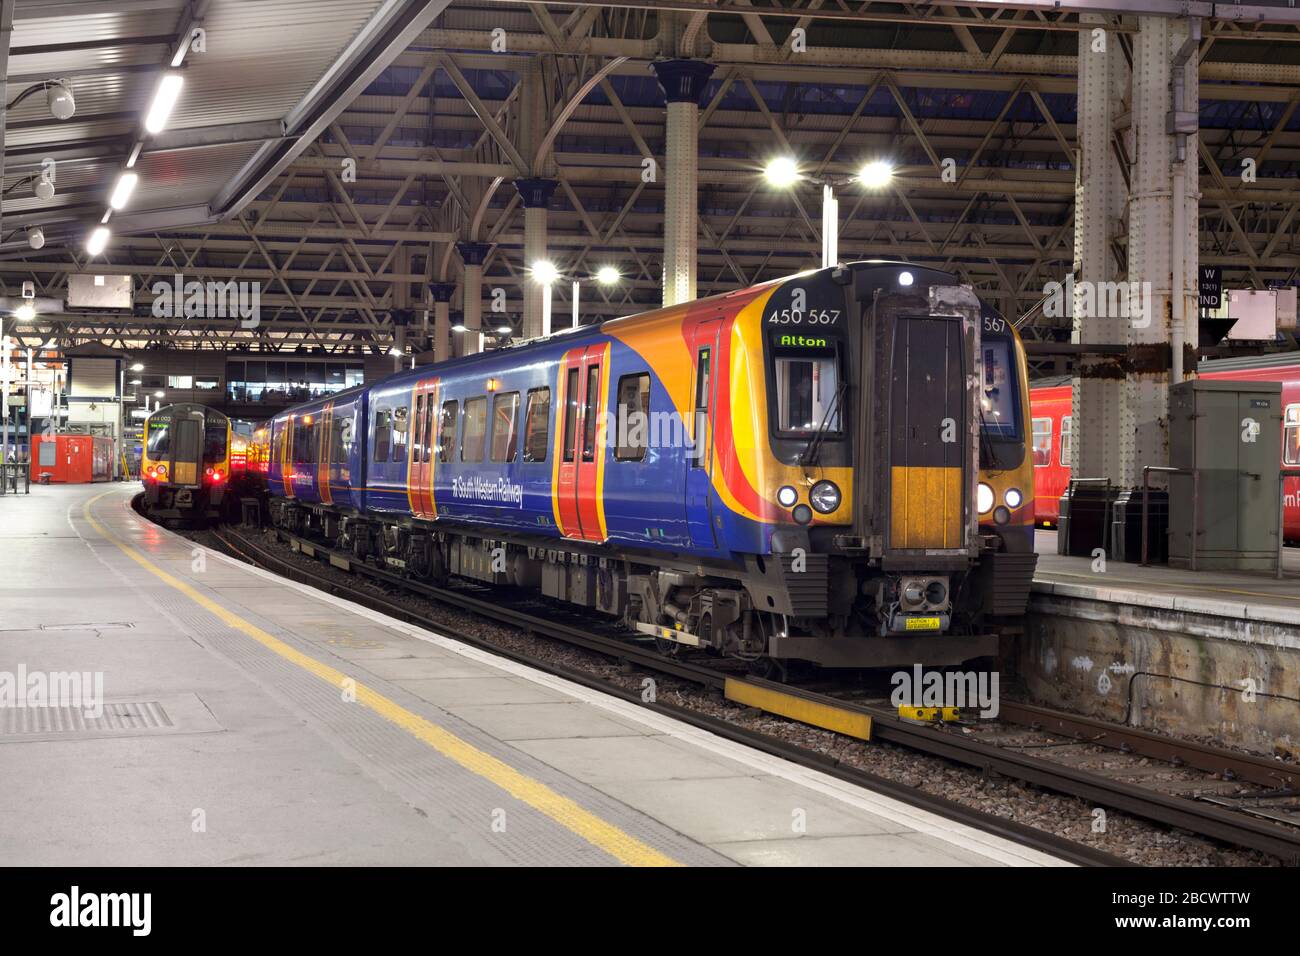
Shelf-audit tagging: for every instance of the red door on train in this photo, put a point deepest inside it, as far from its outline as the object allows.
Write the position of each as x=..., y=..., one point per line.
x=582, y=439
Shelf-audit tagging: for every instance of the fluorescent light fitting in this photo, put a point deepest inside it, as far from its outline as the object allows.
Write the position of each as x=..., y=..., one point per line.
x=123, y=189
x=98, y=240
x=164, y=99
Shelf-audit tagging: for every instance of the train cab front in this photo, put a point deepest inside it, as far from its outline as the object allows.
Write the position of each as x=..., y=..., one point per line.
x=186, y=461
x=874, y=431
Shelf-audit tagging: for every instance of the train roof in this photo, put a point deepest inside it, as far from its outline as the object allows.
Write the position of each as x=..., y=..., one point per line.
x=1240, y=362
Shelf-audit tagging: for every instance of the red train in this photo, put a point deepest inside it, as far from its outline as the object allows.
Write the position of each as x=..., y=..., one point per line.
x=1050, y=404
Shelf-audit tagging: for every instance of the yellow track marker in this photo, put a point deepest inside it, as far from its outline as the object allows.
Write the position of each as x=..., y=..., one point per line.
x=622, y=846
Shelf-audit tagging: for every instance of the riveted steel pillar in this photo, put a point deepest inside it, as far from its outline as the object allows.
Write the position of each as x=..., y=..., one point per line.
x=473, y=255
x=441, y=293
x=1157, y=173
x=1099, y=207
x=683, y=83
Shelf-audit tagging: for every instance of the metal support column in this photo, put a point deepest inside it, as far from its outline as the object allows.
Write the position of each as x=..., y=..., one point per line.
x=441, y=293
x=683, y=83
x=536, y=197
x=1099, y=202
x=1157, y=174
x=472, y=254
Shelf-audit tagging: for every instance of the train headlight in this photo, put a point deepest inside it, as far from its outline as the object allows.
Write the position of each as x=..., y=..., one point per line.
x=162, y=471
x=825, y=497
x=984, y=498
x=787, y=496
x=802, y=514
x=1001, y=515
x=1013, y=498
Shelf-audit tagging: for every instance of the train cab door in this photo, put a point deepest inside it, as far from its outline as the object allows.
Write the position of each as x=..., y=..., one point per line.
x=581, y=444
x=705, y=340
x=187, y=450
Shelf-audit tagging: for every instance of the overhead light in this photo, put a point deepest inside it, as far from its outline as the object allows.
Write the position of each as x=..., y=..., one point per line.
x=58, y=96
x=504, y=330
x=395, y=352
x=876, y=175
x=43, y=189
x=544, y=271
x=607, y=275
x=123, y=189
x=905, y=278
x=25, y=312
x=460, y=327
x=158, y=394
x=164, y=98
x=782, y=172
x=135, y=381
x=135, y=154
x=137, y=366
x=98, y=240
x=36, y=237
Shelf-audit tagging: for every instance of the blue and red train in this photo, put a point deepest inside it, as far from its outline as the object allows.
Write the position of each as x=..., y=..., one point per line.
x=829, y=467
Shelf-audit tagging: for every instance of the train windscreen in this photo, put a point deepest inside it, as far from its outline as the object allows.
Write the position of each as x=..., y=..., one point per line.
x=1000, y=398
x=159, y=441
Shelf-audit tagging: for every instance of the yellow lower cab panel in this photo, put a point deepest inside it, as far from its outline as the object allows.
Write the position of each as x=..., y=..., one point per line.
x=927, y=507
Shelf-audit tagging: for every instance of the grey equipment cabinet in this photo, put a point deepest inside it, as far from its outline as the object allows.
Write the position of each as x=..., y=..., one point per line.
x=1226, y=440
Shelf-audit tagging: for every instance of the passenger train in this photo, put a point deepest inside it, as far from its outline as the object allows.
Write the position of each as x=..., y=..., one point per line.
x=186, y=462
x=828, y=468
x=1052, y=431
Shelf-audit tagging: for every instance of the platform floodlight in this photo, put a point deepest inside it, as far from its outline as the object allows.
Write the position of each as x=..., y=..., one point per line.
x=36, y=237
x=43, y=189
x=544, y=271
x=25, y=312
x=782, y=172
x=877, y=174
x=608, y=275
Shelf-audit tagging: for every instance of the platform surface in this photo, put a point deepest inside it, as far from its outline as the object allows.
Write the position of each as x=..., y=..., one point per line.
x=251, y=720
x=1256, y=596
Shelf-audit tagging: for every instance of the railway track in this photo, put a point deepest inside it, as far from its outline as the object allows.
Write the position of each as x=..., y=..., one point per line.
x=1045, y=748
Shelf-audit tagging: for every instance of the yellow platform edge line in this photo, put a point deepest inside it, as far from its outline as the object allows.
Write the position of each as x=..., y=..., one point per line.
x=826, y=716
x=574, y=818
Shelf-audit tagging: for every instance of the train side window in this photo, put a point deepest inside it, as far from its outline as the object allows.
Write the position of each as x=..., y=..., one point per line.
x=427, y=431
x=570, y=414
x=537, y=423
x=401, y=432
x=591, y=414
x=505, y=426
x=383, y=434
x=417, y=438
x=474, y=430
x=1291, y=435
x=1067, y=439
x=701, y=436
x=1042, y=442
x=633, y=417
x=340, y=438
x=447, y=430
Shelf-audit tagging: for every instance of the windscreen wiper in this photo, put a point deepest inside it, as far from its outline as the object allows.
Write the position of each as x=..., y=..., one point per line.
x=810, y=453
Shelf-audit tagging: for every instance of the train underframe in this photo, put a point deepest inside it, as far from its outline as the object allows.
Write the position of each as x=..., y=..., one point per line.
x=184, y=502
x=832, y=610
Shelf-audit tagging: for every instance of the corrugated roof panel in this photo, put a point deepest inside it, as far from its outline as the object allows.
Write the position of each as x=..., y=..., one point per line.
x=262, y=58
x=186, y=177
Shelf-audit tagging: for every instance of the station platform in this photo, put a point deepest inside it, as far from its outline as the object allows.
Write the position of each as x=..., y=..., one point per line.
x=1209, y=654
x=1249, y=596
x=251, y=720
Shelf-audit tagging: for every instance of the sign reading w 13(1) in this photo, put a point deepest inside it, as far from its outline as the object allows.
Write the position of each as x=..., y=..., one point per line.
x=1211, y=286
